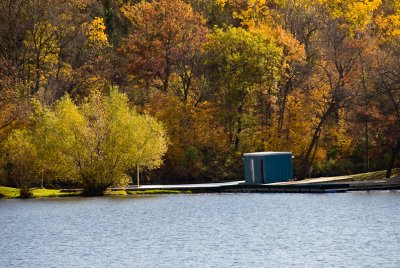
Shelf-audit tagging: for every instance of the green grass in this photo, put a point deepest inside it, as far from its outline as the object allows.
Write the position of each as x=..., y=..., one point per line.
x=149, y=192
x=143, y=192
x=52, y=193
x=376, y=175
x=116, y=193
x=9, y=192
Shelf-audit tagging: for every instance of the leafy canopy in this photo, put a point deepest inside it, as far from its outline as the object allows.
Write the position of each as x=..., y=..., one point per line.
x=94, y=144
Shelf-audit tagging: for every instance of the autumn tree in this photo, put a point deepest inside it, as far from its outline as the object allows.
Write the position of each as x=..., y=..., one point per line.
x=388, y=101
x=165, y=43
x=198, y=148
x=333, y=80
x=355, y=16
x=50, y=45
x=216, y=12
x=273, y=104
x=116, y=25
x=14, y=104
x=318, y=78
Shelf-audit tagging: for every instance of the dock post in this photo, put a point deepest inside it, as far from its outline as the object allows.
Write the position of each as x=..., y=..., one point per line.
x=137, y=175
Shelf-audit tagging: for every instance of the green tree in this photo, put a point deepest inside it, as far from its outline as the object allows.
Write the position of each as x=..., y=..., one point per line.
x=21, y=154
x=242, y=63
x=93, y=145
x=100, y=141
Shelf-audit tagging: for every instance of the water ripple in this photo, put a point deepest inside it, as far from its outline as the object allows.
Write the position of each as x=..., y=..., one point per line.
x=203, y=230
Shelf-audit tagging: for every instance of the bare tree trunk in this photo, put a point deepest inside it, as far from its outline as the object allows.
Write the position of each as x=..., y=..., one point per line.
x=367, y=146
x=239, y=127
x=314, y=140
x=186, y=77
x=37, y=79
x=364, y=84
x=395, y=152
x=282, y=107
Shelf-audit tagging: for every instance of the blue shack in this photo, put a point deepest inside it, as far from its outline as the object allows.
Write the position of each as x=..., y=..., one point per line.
x=268, y=167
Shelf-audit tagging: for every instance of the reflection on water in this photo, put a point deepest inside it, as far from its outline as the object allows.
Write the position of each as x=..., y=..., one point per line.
x=203, y=230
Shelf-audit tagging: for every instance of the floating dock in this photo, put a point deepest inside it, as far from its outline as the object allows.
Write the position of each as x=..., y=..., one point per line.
x=319, y=185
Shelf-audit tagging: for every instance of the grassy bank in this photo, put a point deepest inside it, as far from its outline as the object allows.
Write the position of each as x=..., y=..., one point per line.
x=10, y=192
x=144, y=192
x=375, y=175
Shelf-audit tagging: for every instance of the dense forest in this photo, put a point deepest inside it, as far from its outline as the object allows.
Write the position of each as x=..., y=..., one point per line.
x=183, y=88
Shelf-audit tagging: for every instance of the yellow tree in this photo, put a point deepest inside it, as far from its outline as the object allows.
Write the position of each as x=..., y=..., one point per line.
x=42, y=50
x=198, y=143
x=261, y=17
x=354, y=15
x=334, y=80
x=93, y=145
x=386, y=95
x=22, y=157
x=388, y=21
x=103, y=139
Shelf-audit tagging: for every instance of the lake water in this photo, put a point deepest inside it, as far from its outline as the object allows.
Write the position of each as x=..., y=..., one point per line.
x=203, y=230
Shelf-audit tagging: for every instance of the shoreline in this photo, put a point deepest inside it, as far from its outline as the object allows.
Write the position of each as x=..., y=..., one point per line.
x=37, y=193
x=311, y=188
x=372, y=181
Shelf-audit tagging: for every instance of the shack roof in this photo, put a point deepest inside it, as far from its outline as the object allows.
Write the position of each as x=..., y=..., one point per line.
x=265, y=153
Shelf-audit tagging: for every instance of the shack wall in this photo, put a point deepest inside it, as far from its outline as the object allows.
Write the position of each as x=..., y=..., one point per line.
x=268, y=167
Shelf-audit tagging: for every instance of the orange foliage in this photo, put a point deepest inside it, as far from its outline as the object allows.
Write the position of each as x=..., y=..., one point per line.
x=197, y=139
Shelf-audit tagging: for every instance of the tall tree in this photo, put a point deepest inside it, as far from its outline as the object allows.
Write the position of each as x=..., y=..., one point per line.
x=388, y=97
x=333, y=79
x=166, y=39
x=242, y=63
